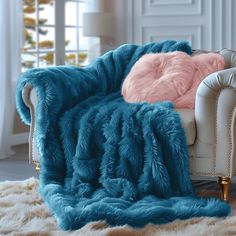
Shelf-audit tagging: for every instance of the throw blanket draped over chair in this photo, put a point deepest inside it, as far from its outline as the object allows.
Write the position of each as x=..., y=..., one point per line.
x=105, y=159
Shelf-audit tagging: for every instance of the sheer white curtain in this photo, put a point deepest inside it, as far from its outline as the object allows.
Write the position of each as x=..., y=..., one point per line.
x=10, y=43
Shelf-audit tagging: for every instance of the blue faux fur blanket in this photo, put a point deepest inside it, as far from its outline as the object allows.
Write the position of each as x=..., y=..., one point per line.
x=105, y=159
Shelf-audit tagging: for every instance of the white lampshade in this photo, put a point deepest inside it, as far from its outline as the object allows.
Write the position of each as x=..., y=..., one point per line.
x=98, y=24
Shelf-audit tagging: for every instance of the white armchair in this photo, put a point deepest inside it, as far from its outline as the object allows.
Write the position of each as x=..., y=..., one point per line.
x=210, y=128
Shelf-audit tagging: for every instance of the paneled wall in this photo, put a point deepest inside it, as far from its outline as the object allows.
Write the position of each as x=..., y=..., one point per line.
x=206, y=24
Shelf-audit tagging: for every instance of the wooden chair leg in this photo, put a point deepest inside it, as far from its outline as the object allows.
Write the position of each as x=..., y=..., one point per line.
x=224, y=183
x=37, y=166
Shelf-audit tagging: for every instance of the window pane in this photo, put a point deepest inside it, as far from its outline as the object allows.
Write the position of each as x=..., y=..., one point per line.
x=76, y=46
x=29, y=12
x=74, y=58
x=29, y=39
x=71, y=58
x=47, y=12
x=46, y=59
x=83, y=41
x=70, y=13
x=82, y=8
x=83, y=58
x=46, y=37
x=28, y=61
x=71, y=38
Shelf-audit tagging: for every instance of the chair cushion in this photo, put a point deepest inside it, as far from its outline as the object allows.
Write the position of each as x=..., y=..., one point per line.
x=188, y=123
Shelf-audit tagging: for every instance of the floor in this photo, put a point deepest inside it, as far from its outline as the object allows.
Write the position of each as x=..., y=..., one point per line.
x=17, y=166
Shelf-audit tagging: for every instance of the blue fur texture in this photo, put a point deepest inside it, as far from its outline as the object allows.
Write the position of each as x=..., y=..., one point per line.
x=105, y=159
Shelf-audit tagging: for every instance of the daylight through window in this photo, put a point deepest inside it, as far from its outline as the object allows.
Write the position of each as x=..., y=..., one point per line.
x=53, y=33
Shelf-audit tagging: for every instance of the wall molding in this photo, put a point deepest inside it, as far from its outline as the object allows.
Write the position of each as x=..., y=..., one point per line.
x=171, y=8
x=192, y=33
x=216, y=18
x=170, y=2
x=188, y=37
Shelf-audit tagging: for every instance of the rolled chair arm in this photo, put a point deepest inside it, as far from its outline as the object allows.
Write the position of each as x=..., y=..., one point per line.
x=30, y=99
x=215, y=114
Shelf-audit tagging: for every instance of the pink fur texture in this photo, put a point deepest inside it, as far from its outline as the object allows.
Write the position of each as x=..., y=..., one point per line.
x=171, y=76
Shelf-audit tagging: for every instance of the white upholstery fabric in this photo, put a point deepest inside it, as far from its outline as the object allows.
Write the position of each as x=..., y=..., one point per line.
x=215, y=117
x=230, y=57
x=30, y=99
x=188, y=123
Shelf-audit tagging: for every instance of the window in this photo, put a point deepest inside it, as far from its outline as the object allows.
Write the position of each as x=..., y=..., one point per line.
x=53, y=33
x=76, y=45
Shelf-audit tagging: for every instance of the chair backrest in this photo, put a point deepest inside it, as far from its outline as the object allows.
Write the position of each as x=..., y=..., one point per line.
x=230, y=57
x=228, y=54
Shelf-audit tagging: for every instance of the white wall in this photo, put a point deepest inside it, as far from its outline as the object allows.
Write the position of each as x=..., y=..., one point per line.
x=206, y=24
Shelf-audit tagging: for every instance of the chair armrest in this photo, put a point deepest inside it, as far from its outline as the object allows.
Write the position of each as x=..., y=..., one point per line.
x=30, y=99
x=56, y=87
x=50, y=90
x=215, y=114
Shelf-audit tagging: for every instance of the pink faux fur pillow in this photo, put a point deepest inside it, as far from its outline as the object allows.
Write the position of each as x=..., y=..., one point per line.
x=171, y=76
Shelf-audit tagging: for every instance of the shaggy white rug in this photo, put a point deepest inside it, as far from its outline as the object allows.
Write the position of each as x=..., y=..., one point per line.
x=22, y=212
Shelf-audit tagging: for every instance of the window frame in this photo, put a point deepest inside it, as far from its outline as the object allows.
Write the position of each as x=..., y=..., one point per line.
x=77, y=27
x=59, y=26
x=60, y=32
